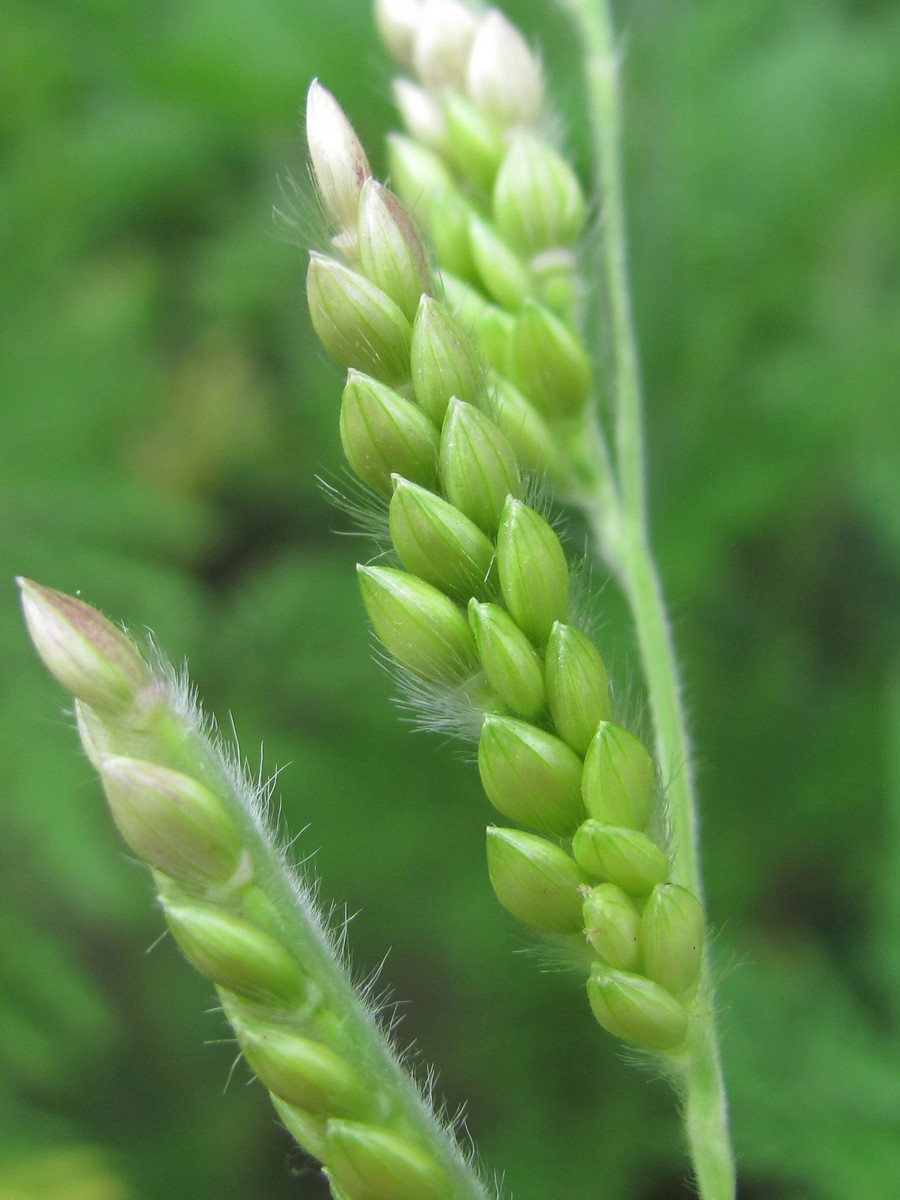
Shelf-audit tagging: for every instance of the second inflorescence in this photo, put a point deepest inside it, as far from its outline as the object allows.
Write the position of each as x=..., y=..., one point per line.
x=466, y=377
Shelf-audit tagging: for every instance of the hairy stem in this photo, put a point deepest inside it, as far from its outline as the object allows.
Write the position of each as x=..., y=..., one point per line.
x=699, y=1072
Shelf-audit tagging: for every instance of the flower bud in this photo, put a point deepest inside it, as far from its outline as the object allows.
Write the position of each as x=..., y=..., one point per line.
x=620, y=855
x=436, y=542
x=305, y=1072
x=577, y=686
x=509, y=661
x=612, y=925
x=494, y=332
x=530, y=775
x=444, y=362
x=397, y=22
x=171, y=822
x=672, y=932
x=549, y=363
x=636, y=1009
x=419, y=626
x=417, y=174
x=619, y=782
x=87, y=654
x=373, y=1163
x=527, y=431
x=534, y=577
x=383, y=433
x=504, y=77
x=505, y=277
x=422, y=115
x=449, y=214
x=356, y=322
x=391, y=252
x=474, y=144
x=535, y=880
x=490, y=325
x=537, y=201
x=478, y=466
x=338, y=159
x=443, y=38
x=235, y=955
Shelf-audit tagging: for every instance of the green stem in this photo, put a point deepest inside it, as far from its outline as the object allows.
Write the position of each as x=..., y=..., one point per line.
x=624, y=542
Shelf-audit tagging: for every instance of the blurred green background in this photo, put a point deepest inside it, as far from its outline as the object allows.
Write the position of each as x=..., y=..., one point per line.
x=165, y=412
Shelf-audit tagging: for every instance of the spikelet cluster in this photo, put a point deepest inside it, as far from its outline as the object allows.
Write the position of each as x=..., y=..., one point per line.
x=243, y=919
x=463, y=373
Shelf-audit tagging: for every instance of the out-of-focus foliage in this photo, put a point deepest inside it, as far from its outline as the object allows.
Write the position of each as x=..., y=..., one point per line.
x=165, y=412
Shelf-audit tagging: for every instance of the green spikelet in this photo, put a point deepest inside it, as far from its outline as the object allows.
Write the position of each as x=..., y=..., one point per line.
x=438, y=544
x=530, y=775
x=535, y=880
x=419, y=626
x=534, y=575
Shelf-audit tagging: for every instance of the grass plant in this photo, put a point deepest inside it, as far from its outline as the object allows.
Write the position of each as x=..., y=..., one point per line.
x=451, y=375
x=491, y=416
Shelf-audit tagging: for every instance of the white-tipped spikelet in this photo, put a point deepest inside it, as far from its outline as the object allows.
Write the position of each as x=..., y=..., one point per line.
x=443, y=38
x=397, y=22
x=338, y=160
x=503, y=76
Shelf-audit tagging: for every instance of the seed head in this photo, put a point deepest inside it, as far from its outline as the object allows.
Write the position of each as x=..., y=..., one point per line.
x=577, y=686
x=612, y=925
x=474, y=144
x=527, y=431
x=537, y=202
x=619, y=781
x=443, y=361
x=619, y=855
x=672, y=933
x=508, y=659
x=548, y=362
x=397, y=22
x=305, y=1073
x=88, y=655
x=417, y=174
x=530, y=776
x=422, y=114
x=382, y=433
x=235, y=954
x=534, y=575
x=636, y=1009
x=436, y=542
x=357, y=323
x=443, y=38
x=505, y=277
x=478, y=467
x=503, y=76
x=535, y=880
x=420, y=627
x=449, y=214
x=391, y=252
x=171, y=822
x=374, y=1163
